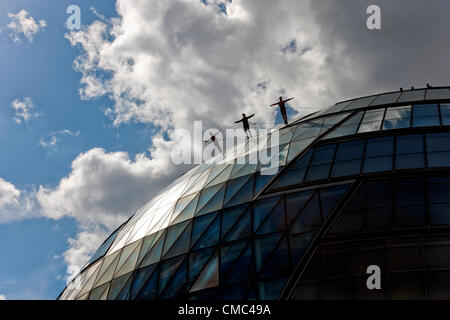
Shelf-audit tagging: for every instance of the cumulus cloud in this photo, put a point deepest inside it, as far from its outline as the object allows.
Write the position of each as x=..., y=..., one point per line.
x=23, y=109
x=170, y=63
x=2, y=297
x=101, y=192
x=15, y=204
x=23, y=25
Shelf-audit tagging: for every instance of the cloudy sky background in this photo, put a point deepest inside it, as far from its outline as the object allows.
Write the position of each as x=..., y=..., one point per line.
x=87, y=118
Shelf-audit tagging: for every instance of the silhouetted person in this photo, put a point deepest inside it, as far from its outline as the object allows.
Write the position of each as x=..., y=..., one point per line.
x=412, y=88
x=401, y=89
x=282, y=105
x=245, y=123
x=213, y=139
x=428, y=86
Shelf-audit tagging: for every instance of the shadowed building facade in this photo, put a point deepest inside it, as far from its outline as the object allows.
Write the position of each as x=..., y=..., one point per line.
x=363, y=182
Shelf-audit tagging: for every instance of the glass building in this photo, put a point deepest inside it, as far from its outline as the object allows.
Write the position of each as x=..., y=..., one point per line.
x=363, y=182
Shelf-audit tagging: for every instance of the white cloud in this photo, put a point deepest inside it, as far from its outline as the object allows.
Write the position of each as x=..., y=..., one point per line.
x=23, y=109
x=55, y=136
x=2, y=297
x=101, y=192
x=15, y=204
x=22, y=24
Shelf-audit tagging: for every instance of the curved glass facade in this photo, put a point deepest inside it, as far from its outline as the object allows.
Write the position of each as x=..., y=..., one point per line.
x=364, y=182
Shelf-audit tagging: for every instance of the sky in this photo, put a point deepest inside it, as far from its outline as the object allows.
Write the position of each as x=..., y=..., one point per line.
x=88, y=117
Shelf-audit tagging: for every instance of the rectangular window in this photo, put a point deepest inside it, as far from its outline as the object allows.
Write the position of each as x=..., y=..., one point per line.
x=445, y=113
x=438, y=149
x=379, y=155
x=348, y=159
x=410, y=152
x=321, y=163
x=371, y=121
x=425, y=115
x=397, y=118
x=349, y=127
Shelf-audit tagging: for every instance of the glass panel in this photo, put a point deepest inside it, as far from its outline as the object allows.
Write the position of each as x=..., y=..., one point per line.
x=242, y=268
x=200, y=225
x=177, y=284
x=117, y=285
x=410, y=152
x=276, y=264
x=209, y=277
x=155, y=253
x=371, y=121
x=347, y=128
x=234, y=186
x=295, y=203
x=228, y=255
x=181, y=245
x=188, y=211
x=206, y=195
x=197, y=260
x=442, y=93
x=140, y=279
x=148, y=292
x=413, y=95
x=445, y=113
x=263, y=247
x=396, y=118
x=260, y=182
x=245, y=194
x=438, y=147
x=299, y=244
x=214, y=204
x=173, y=233
x=309, y=218
x=329, y=198
x=261, y=209
x=130, y=264
x=211, y=236
x=241, y=229
x=425, y=115
x=168, y=268
x=360, y=103
x=104, y=247
x=386, y=98
x=274, y=221
x=107, y=269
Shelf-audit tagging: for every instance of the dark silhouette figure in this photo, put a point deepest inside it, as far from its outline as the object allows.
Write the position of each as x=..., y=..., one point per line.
x=428, y=86
x=245, y=123
x=401, y=89
x=282, y=105
x=214, y=141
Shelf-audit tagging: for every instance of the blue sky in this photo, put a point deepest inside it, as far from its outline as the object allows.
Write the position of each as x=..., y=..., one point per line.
x=31, y=266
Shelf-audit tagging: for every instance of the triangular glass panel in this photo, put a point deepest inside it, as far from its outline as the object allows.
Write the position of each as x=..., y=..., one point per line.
x=261, y=209
x=200, y=225
x=276, y=264
x=233, y=186
x=130, y=264
x=236, y=225
x=197, y=260
x=246, y=170
x=188, y=212
x=125, y=292
x=297, y=147
x=285, y=135
x=206, y=195
x=242, y=268
x=222, y=177
x=105, y=293
x=229, y=254
x=83, y=297
x=275, y=221
x=236, y=168
x=181, y=245
x=260, y=182
x=209, y=277
x=263, y=247
x=117, y=285
x=108, y=268
x=211, y=236
x=295, y=202
x=154, y=255
x=181, y=205
x=271, y=289
x=214, y=204
x=299, y=244
x=145, y=247
x=177, y=284
x=235, y=292
x=98, y=292
x=126, y=252
x=329, y=197
x=309, y=218
x=140, y=279
x=173, y=233
x=215, y=172
x=168, y=268
x=245, y=194
x=90, y=278
x=148, y=292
